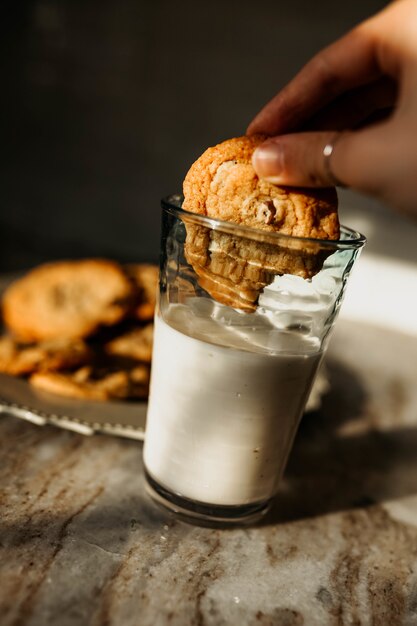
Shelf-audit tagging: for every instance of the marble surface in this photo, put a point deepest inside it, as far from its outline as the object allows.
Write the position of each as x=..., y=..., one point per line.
x=81, y=543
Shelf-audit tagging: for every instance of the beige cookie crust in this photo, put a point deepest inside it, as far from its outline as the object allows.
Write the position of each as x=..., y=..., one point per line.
x=68, y=299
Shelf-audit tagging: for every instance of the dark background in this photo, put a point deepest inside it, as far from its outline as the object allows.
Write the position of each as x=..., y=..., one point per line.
x=105, y=104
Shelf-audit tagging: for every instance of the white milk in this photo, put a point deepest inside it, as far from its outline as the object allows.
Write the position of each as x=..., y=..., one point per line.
x=221, y=420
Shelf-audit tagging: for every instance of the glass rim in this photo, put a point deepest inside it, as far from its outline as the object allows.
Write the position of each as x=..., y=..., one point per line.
x=173, y=205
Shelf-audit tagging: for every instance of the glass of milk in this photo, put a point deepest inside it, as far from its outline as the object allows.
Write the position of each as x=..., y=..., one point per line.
x=229, y=385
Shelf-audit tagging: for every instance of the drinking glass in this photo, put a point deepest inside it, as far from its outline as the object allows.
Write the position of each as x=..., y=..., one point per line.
x=243, y=320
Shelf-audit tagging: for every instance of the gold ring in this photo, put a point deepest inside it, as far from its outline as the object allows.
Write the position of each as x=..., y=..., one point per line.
x=327, y=154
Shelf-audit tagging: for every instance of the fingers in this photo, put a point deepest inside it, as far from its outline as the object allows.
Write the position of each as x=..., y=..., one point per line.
x=351, y=83
x=295, y=159
x=356, y=107
x=359, y=159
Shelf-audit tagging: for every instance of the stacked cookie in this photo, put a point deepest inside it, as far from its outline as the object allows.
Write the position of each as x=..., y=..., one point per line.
x=81, y=328
x=235, y=266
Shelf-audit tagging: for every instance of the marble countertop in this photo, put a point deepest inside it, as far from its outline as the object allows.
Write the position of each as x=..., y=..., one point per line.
x=81, y=543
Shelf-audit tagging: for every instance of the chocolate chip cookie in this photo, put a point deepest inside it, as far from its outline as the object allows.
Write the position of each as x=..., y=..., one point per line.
x=67, y=300
x=233, y=268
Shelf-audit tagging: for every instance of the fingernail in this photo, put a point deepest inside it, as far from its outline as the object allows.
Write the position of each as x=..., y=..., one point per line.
x=268, y=162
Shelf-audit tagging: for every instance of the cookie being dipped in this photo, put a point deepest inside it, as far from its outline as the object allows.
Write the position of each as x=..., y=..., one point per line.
x=223, y=184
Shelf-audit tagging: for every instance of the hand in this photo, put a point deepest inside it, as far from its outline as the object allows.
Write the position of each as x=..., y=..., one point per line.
x=360, y=96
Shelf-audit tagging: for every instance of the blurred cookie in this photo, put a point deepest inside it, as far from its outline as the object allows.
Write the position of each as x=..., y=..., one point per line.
x=68, y=299
x=145, y=278
x=139, y=378
x=88, y=384
x=135, y=344
x=19, y=360
x=234, y=268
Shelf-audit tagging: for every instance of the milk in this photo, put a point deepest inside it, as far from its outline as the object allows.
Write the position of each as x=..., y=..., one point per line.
x=224, y=407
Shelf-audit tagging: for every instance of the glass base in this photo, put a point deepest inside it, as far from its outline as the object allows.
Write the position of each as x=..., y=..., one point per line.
x=202, y=513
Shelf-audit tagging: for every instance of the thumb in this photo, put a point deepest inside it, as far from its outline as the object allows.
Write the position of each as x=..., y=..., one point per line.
x=361, y=159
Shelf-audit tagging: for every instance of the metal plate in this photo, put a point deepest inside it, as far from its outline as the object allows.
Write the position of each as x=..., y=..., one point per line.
x=20, y=399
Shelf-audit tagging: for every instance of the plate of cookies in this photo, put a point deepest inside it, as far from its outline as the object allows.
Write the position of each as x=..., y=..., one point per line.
x=76, y=345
